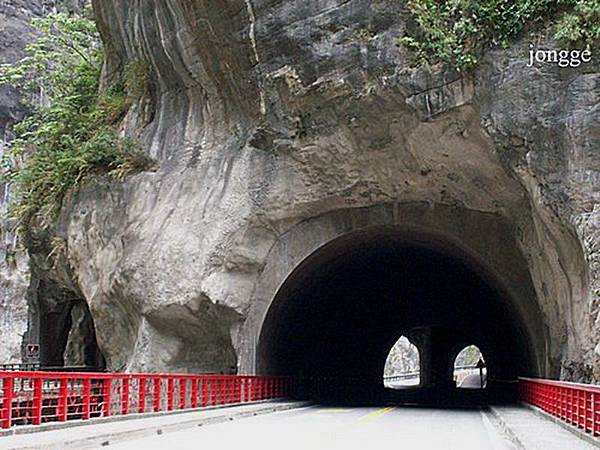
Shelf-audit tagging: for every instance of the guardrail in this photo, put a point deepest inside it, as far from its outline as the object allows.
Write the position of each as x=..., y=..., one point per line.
x=12, y=367
x=408, y=375
x=37, y=397
x=402, y=376
x=575, y=403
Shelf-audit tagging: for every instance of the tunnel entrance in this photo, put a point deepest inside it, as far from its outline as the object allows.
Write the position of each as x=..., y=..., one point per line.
x=67, y=336
x=340, y=311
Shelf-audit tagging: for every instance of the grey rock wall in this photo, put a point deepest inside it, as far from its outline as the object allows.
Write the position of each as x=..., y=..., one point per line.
x=14, y=263
x=267, y=115
x=15, y=34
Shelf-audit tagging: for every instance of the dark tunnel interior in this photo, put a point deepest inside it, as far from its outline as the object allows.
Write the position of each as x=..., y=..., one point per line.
x=340, y=312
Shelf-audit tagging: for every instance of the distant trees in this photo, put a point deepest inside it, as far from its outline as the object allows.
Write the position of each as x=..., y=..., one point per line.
x=403, y=358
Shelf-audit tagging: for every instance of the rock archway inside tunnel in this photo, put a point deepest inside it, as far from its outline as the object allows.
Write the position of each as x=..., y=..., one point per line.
x=340, y=310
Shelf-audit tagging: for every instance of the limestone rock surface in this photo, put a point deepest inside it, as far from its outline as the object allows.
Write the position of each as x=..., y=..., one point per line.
x=14, y=263
x=265, y=116
x=15, y=33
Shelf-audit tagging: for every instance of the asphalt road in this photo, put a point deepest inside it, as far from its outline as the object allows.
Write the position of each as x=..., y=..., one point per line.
x=339, y=428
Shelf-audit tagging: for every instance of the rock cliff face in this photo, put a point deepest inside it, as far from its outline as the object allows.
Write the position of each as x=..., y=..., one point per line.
x=15, y=34
x=279, y=125
x=14, y=264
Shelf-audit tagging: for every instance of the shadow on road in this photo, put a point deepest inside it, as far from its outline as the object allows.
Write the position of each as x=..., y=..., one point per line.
x=449, y=397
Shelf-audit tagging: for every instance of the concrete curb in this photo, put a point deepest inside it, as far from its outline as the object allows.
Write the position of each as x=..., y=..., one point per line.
x=51, y=426
x=505, y=428
x=145, y=430
x=570, y=428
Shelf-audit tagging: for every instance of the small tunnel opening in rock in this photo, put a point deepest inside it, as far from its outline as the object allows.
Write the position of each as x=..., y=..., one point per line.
x=341, y=310
x=68, y=337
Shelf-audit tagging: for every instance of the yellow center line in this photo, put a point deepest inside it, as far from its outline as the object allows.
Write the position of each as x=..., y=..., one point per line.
x=335, y=410
x=375, y=414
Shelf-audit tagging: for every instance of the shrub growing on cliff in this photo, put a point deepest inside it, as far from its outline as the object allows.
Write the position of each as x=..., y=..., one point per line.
x=457, y=31
x=72, y=130
x=581, y=26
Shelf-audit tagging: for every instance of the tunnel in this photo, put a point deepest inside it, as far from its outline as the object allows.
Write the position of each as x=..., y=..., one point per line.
x=340, y=311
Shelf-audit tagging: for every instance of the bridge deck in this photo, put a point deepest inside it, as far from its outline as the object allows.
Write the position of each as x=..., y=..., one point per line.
x=318, y=427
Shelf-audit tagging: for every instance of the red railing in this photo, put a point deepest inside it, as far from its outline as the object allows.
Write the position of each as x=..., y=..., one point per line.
x=574, y=403
x=38, y=397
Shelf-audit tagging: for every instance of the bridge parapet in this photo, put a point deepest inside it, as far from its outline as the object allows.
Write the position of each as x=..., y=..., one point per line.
x=32, y=398
x=574, y=403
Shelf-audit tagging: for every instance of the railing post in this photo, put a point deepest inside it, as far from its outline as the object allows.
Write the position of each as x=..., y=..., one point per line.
x=7, y=396
x=577, y=409
x=204, y=392
x=194, y=393
x=227, y=389
x=586, y=412
x=182, y=389
x=238, y=390
x=37, y=401
x=220, y=391
x=594, y=425
x=224, y=391
x=170, y=389
x=87, y=395
x=63, y=393
x=231, y=389
x=141, y=395
x=213, y=391
x=570, y=406
x=125, y=396
x=156, y=394
x=106, y=388
x=267, y=382
x=267, y=387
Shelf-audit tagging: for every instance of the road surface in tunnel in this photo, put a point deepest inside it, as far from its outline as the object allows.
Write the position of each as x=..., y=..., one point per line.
x=341, y=428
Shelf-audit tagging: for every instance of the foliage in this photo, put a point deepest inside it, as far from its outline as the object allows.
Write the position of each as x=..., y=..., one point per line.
x=64, y=45
x=137, y=78
x=72, y=131
x=581, y=26
x=457, y=31
x=468, y=356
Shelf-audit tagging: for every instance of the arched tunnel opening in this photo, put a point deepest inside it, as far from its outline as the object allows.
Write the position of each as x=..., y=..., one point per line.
x=335, y=318
x=66, y=335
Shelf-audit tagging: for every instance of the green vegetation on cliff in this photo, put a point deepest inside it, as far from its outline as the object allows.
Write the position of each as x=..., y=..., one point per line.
x=73, y=130
x=458, y=31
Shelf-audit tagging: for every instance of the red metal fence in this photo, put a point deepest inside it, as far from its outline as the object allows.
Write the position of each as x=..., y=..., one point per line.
x=577, y=404
x=37, y=397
